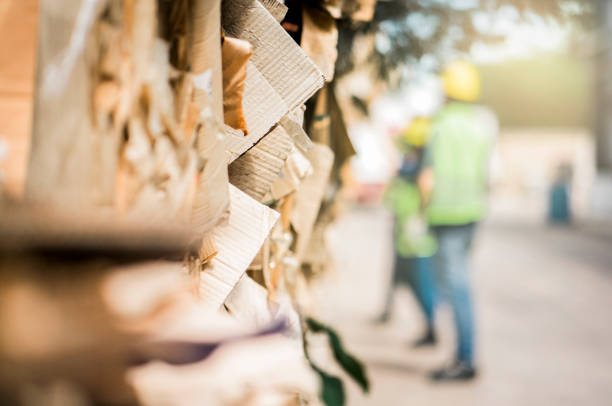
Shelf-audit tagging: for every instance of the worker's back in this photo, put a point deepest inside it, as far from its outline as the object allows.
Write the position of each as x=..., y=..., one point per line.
x=459, y=156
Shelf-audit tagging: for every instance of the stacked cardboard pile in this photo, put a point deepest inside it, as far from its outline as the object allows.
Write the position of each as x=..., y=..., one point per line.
x=204, y=123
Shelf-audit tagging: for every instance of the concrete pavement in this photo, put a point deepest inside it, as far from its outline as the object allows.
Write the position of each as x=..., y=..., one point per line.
x=543, y=298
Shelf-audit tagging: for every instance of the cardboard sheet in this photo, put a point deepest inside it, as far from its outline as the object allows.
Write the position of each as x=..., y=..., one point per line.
x=238, y=241
x=281, y=66
x=256, y=170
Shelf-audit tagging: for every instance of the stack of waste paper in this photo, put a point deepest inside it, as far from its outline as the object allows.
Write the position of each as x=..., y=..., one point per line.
x=182, y=166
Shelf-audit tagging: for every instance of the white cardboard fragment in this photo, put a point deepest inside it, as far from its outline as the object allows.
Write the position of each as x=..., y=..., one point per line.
x=238, y=240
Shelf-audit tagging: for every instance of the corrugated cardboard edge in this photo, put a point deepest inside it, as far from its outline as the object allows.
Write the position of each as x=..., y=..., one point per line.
x=256, y=170
x=309, y=196
x=276, y=8
x=238, y=241
x=292, y=123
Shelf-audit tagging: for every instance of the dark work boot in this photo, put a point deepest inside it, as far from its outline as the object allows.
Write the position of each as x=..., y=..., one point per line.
x=427, y=340
x=459, y=371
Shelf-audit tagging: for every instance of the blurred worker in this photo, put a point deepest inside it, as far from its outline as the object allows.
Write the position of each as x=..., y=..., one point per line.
x=453, y=183
x=413, y=244
x=559, y=211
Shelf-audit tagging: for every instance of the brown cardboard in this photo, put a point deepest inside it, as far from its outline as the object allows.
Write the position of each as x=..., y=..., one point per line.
x=256, y=170
x=238, y=241
x=276, y=8
x=236, y=54
x=278, y=65
x=309, y=196
x=18, y=20
x=204, y=40
x=320, y=39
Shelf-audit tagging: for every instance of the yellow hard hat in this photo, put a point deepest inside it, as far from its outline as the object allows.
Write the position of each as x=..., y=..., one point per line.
x=417, y=132
x=461, y=81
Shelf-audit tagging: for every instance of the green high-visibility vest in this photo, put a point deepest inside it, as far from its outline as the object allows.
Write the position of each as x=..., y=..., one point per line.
x=404, y=199
x=458, y=153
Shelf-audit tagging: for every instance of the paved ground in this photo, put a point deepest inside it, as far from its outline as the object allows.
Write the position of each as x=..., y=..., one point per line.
x=543, y=300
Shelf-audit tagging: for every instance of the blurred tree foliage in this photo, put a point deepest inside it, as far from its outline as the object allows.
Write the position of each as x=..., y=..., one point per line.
x=405, y=30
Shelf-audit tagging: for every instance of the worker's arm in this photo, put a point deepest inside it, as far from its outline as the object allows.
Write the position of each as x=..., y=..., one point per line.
x=425, y=181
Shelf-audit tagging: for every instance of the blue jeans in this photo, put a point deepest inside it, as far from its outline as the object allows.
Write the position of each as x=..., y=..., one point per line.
x=451, y=260
x=418, y=273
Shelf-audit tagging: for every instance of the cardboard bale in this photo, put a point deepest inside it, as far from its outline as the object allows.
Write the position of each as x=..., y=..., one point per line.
x=238, y=241
x=256, y=170
x=309, y=196
x=18, y=20
x=278, y=67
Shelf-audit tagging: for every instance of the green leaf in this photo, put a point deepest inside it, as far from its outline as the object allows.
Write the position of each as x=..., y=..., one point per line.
x=349, y=363
x=332, y=389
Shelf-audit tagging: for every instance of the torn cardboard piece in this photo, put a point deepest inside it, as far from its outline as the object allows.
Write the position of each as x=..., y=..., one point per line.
x=238, y=241
x=248, y=302
x=309, y=196
x=292, y=123
x=320, y=39
x=256, y=170
x=278, y=65
x=296, y=168
x=236, y=54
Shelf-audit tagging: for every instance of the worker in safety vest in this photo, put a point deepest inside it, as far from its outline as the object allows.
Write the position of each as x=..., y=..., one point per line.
x=454, y=183
x=413, y=243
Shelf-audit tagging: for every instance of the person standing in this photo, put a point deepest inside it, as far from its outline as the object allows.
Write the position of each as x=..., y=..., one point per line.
x=453, y=183
x=413, y=244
